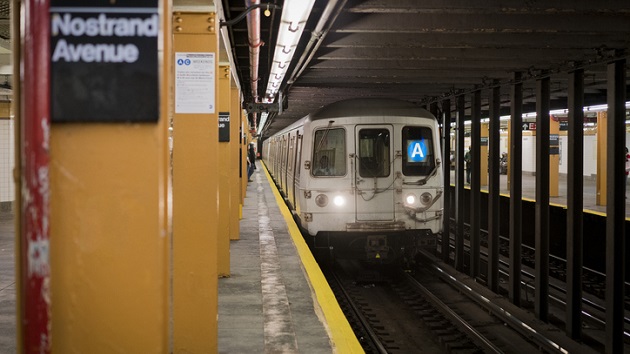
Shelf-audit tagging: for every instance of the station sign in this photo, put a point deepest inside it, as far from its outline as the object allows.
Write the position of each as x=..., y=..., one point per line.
x=416, y=151
x=554, y=144
x=224, y=127
x=104, y=61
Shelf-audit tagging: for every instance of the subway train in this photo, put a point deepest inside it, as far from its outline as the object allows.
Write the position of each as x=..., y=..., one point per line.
x=362, y=177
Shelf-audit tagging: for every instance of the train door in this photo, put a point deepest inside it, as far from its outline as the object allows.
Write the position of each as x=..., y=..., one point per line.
x=296, y=170
x=285, y=163
x=291, y=170
x=374, y=175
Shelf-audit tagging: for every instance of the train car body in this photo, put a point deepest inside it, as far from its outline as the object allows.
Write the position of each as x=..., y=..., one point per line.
x=362, y=176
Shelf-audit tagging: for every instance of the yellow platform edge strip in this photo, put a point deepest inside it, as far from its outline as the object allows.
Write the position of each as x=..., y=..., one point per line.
x=343, y=337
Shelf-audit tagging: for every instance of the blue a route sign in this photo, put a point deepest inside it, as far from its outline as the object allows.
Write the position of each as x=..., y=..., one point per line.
x=104, y=60
x=416, y=151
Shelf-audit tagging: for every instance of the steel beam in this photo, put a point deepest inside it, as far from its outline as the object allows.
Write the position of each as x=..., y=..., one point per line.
x=475, y=183
x=516, y=189
x=493, y=189
x=575, y=204
x=459, y=185
x=616, y=207
x=541, y=304
x=446, y=158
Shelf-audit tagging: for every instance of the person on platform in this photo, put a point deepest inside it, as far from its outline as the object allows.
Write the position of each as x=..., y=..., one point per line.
x=627, y=166
x=251, y=157
x=468, y=162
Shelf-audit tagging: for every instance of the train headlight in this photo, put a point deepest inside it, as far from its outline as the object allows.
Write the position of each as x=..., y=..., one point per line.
x=321, y=200
x=426, y=198
x=339, y=200
x=410, y=199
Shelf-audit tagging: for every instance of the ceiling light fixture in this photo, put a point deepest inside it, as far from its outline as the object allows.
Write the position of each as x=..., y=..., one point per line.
x=295, y=13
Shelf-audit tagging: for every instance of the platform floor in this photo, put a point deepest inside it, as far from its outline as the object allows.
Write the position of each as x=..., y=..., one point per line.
x=529, y=192
x=275, y=301
x=269, y=303
x=7, y=284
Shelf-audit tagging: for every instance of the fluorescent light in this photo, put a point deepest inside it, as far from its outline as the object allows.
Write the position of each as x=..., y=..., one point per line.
x=597, y=108
x=263, y=120
x=292, y=23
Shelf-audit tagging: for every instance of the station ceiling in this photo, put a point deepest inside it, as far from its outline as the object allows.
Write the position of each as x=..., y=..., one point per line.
x=424, y=51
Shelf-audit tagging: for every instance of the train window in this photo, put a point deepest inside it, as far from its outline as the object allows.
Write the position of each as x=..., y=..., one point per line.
x=374, y=160
x=418, y=152
x=329, y=152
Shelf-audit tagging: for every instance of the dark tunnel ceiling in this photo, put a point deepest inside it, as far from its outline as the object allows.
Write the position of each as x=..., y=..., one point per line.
x=422, y=51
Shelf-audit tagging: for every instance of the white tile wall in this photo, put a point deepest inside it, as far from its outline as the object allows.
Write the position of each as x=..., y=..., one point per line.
x=7, y=187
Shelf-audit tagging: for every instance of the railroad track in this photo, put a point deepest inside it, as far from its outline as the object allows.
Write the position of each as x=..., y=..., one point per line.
x=392, y=311
x=593, y=289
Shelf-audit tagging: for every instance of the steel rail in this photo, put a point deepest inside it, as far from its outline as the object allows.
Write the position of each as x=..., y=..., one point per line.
x=364, y=322
x=462, y=324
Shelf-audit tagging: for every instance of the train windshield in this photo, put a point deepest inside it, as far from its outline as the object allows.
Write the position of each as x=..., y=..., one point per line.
x=329, y=152
x=374, y=153
x=418, y=151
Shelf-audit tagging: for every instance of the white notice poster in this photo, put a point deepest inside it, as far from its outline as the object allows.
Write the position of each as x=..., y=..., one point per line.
x=194, y=83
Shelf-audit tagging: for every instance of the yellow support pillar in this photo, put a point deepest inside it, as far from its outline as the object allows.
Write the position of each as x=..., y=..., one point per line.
x=109, y=241
x=195, y=184
x=234, y=161
x=602, y=142
x=483, y=164
x=243, y=145
x=554, y=157
x=223, y=171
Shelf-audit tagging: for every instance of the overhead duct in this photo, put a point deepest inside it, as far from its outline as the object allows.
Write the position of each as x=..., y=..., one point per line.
x=253, y=36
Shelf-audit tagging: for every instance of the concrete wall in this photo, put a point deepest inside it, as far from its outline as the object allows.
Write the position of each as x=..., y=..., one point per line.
x=7, y=189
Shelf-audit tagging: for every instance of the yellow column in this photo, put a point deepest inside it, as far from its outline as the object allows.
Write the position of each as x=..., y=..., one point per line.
x=109, y=241
x=195, y=192
x=223, y=171
x=483, y=164
x=602, y=142
x=554, y=157
x=235, y=158
x=243, y=144
x=108, y=238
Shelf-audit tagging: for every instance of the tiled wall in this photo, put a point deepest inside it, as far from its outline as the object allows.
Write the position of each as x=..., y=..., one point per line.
x=7, y=188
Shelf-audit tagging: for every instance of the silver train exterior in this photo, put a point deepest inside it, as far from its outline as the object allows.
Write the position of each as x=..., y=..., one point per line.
x=362, y=175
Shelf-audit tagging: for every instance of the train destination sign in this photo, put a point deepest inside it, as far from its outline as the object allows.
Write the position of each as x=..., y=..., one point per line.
x=416, y=151
x=104, y=61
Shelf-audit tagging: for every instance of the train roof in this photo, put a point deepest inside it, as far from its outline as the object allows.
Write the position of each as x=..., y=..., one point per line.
x=363, y=107
x=369, y=107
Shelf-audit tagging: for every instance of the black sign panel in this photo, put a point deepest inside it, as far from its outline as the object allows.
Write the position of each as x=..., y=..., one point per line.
x=564, y=125
x=554, y=144
x=104, y=61
x=484, y=141
x=224, y=127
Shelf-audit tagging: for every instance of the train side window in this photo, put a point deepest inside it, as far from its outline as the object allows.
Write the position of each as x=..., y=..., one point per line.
x=329, y=153
x=374, y=155
x=418, y=151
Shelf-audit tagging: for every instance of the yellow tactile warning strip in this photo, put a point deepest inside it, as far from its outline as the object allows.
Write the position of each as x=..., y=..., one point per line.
x=344, y=339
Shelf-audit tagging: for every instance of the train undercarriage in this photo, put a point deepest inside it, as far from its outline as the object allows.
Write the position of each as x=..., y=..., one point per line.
x=375, y=247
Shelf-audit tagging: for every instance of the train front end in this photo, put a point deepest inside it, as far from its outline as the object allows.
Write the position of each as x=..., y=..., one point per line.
x=374, y=187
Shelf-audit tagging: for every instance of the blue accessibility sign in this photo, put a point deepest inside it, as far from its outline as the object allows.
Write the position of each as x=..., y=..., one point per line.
x=416, y=150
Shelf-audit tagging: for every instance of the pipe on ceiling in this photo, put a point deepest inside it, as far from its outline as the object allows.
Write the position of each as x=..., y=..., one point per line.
x=253, y=36
x=328, y=17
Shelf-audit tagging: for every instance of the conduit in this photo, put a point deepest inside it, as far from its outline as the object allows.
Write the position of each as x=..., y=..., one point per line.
x=253, y=36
